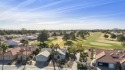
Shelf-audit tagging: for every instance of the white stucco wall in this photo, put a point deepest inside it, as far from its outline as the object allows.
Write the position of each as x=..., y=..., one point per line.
x=7, y=57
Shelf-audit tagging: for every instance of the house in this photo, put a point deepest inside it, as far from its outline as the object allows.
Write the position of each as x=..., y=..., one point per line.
x=18, y=53
x=109, y=58
x=123, y=33
x=25, y=52
x=2, y=38
x=11, y=54
x=60, y=53
x=29, y=38
x=12, y=43
x=44, y=55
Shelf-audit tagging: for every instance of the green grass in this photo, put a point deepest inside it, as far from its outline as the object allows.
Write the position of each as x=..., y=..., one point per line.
x=89, y=42
x=93, y=39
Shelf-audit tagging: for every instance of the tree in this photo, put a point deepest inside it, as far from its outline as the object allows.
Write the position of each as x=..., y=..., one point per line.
x=73, y=37
x=66, y=37
x=52, y=46
x=43, y=36
x=106, y=36
x=54, y=34
x=83, y=56
x=82, y=36
x=56, y=46
x=120, y=38
x=113, y=36
x=35, y=53
x=69, y=43
x=72, y=50
x=44, y=45
x=118, y=66
x=25, y=43
x=4, y=47
x=80, y=47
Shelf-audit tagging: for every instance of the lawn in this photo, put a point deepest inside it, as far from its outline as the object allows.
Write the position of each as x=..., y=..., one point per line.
x=59, y=41
x=96, y=40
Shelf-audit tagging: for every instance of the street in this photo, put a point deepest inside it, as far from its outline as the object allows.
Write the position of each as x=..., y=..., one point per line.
x=13, y=67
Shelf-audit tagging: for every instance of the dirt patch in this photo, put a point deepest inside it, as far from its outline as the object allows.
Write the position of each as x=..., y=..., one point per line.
x=59, y=41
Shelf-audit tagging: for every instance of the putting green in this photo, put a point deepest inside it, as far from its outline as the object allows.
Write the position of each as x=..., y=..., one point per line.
x=100, y=44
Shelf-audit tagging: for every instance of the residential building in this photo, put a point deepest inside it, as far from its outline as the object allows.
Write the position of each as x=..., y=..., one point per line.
x=60, y=53
x=44, y=55
x=18, y=53
x=12, y=43
x=109, y=58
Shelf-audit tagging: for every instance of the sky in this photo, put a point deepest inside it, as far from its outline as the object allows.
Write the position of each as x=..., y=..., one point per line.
x=62, y=14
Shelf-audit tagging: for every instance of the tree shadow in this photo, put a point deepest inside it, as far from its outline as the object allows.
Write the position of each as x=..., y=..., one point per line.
x=54, y=64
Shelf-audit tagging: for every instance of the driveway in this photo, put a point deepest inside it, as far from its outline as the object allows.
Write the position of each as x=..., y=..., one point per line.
x=5, y=62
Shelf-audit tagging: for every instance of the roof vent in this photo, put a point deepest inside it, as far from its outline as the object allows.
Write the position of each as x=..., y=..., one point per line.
x=115, y=55
x=111, y=54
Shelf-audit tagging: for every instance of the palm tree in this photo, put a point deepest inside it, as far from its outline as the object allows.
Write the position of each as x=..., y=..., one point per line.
x=3, y=48
x=52, y=46
x=52, y=54
x=56, y=46
x=25, y=43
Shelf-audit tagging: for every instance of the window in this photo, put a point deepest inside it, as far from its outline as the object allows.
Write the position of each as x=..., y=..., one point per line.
x=100, y=63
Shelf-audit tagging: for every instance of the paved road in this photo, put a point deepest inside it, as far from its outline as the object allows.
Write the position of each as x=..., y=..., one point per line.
x=13, y=67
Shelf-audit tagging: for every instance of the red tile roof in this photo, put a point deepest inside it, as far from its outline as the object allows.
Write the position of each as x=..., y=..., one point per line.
x=122, y=61
x=20, y=49
x=110, y=56
x=15, y=50
x=100, y=55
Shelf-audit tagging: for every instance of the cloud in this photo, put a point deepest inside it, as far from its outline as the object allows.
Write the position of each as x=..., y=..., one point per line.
x=55, y=18
x=94, y=4
x=69, y=24
x=23, y=4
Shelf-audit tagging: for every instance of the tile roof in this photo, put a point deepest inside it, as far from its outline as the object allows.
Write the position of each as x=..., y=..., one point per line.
x=100, y=55
x=20, y=49
x=110, y=56
x=122, y=61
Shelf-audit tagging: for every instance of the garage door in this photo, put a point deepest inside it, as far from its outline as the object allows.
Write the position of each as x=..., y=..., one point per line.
x=111, y=65
x=103, y=64
x=38, y=58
